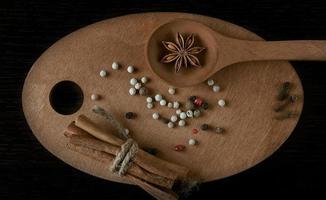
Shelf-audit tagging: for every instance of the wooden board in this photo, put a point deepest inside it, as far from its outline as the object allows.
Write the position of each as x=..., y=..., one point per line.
x=250, y=90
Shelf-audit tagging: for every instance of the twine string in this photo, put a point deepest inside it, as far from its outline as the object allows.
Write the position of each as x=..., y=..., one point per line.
x=128, y=150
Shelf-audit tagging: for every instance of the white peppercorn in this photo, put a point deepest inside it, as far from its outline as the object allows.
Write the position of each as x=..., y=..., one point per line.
x=144, y=79
x=221, y=102
x=150, y=105
x=171, y=91
x=196, y=113
x=182, y=122
x=163, y=102
x=143, y=91
x=170, y=124
x=174, y=118
x=158, y=97
x=156, y=116
x=210, y=82
x=176, y=105
x=190, y=114
x=183, y=115
x=149, y=99
x=133, y=81
x=192, y=142
x=132, y=91
x=103, y=73
x=216, y=88
x=115, y=65
x=130, y=69
x=138, y=86
x=95, y=97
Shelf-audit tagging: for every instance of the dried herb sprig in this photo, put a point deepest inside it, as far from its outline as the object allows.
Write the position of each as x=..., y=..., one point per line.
x=284, y=91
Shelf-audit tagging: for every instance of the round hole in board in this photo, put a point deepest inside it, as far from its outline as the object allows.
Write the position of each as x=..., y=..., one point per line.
x=66, y=97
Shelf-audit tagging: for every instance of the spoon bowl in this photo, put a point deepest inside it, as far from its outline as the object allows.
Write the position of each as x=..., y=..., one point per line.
x=221, y=51
x=204, y=36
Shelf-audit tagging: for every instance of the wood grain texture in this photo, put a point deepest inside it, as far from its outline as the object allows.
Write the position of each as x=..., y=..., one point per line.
x=27, y=28
x=250, y=90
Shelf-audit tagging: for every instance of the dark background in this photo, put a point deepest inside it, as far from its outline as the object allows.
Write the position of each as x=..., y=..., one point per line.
x=27, y=28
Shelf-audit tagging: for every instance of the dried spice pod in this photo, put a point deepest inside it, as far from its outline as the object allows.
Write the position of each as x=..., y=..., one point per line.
x=182, y=52
x=284, y=91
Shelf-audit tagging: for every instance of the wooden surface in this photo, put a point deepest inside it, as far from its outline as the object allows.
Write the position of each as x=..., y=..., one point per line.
x=29, y=171
x=250, y=90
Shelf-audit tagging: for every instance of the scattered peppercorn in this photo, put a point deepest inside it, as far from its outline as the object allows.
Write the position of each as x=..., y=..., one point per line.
x=192, y=98
x=192, y=142
x=194, y=131
x=129, y=115
x=219, y=130
x=204, y=105
x=204, y=127
x=143, y=91
x=179, y=147
x=198, y=102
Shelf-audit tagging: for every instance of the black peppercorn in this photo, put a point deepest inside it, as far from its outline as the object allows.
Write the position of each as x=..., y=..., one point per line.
x=192, y=98
x=204, y=127
x=205, y=105
x=129, y=115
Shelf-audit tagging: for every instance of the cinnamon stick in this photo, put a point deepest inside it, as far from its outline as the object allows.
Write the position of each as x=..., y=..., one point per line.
x=159, y=194
x=87, y=125
x=72, y=129
x=149, y=162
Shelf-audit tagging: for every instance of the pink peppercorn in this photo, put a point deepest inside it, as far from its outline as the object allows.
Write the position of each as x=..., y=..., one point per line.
x=194, y=131
x=198, y=102
x=179, y=147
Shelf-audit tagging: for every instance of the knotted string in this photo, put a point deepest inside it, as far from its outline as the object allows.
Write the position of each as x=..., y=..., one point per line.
x=128, y=150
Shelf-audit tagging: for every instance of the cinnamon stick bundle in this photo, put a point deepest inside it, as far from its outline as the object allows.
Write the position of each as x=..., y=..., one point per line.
x=146, y=160
x=154, y=175
x=156, y=192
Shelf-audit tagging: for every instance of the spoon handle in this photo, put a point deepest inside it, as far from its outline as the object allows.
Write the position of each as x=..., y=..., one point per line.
x=283, y=50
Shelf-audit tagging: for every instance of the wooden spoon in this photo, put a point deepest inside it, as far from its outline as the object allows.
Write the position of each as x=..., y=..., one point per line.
x=222, y=51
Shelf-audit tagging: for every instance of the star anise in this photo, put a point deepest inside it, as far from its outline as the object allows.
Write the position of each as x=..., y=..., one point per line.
x=182, y=52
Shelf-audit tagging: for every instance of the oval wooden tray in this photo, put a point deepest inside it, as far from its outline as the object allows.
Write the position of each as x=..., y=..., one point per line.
x=249, y=88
